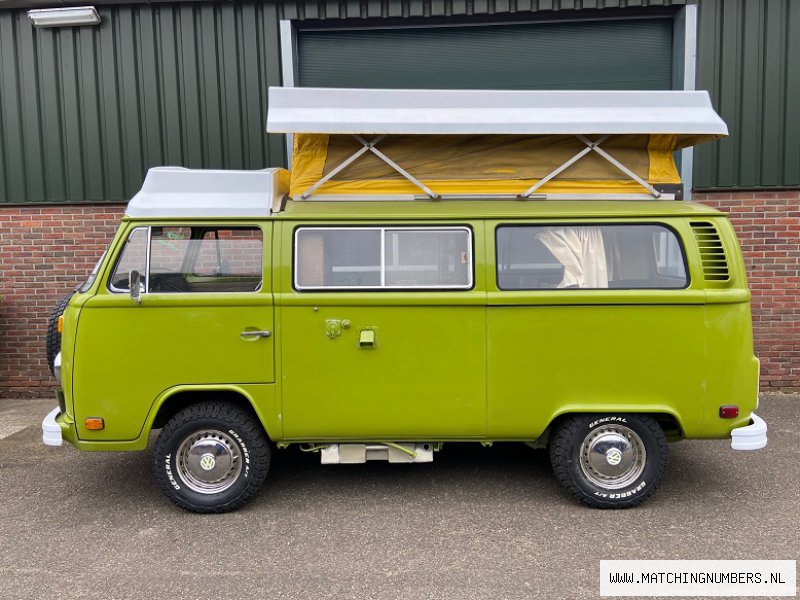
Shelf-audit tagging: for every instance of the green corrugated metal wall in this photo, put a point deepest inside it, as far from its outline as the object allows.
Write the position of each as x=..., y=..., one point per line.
x=382, y=9
x=749, y=57
x=84, y=111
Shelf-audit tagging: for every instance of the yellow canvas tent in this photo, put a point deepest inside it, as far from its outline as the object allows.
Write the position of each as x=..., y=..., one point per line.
x=479, y=143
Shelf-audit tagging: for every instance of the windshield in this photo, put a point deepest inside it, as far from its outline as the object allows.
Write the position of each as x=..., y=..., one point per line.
x=92, y=276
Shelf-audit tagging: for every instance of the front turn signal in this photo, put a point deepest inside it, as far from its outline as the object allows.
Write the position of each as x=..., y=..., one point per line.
x=94, y=423
x=60, y=323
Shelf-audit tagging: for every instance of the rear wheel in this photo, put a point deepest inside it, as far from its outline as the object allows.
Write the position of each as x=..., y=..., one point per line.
x=211, y=457
x=609, y=461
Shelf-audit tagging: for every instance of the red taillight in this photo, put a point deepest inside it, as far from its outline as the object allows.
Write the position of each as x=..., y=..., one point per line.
x=728, y=412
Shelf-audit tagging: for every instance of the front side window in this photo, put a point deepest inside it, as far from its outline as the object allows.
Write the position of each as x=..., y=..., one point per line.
x=383, y=258
x=537, y=257
x=132, y=258
x=186, y=259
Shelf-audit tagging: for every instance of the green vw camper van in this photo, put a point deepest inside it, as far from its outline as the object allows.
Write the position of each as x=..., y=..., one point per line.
x=400, y=291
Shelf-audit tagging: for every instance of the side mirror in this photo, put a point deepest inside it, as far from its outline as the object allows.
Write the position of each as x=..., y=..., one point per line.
x=135, y=279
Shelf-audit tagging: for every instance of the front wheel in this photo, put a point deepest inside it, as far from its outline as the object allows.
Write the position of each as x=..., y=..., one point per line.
x=609, y=461
x=211, y=457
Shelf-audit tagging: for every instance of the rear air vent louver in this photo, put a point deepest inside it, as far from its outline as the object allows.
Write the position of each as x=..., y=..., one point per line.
x=712, y=253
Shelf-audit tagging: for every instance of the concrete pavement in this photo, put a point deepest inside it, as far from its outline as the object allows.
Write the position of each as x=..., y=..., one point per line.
x=477, y=523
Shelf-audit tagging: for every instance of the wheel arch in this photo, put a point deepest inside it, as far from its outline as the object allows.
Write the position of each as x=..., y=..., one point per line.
x=668, y=421
x=173, y=400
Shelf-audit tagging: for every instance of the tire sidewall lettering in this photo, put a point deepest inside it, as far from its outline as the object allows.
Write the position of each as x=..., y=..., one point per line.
x=603, y=420
x=168, y=471
x=245, y=452
x=622, y=495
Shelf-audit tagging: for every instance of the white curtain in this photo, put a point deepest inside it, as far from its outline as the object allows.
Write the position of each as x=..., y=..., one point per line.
x=581, y=251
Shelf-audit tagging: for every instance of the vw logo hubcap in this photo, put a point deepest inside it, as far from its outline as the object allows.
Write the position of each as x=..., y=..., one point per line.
x=207, y=462
x=614, y=456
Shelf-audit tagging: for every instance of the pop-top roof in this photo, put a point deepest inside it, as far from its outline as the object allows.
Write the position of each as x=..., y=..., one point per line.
x=175, y=191
x=450, y=143
x=466, y=112
x=383, y=144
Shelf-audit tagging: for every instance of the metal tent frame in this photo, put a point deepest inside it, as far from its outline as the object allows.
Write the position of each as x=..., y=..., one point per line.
x=599, y=114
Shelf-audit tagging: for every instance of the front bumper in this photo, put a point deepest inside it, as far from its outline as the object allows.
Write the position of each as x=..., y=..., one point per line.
x=51, y=430
x=750, y=437
x=59, y=427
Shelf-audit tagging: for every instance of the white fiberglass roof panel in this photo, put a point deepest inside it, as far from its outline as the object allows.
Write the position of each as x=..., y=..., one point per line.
x=368, y=111
x=179, y=192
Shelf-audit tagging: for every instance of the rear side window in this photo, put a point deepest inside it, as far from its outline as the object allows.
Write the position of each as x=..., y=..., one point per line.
x=538, y=257
x=383, y=258
x=191, y=259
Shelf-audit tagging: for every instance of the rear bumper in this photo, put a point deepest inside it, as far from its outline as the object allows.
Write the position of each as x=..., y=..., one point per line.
x=750, y=437
x=51, y=430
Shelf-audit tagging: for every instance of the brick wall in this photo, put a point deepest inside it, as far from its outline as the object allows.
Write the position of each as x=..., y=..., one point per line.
x=45, y=252
x=768, y=227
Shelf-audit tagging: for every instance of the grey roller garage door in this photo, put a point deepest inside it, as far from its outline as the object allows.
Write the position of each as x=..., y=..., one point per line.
x=605, y=54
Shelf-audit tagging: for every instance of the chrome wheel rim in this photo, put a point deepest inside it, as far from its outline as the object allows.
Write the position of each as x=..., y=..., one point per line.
x=612, y=456
x=208, y=461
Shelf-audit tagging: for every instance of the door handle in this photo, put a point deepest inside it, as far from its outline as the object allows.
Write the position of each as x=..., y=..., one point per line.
x=367, y=339
x=260, y=334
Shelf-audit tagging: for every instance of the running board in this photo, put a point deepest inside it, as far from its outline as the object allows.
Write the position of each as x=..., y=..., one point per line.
x=340, y=454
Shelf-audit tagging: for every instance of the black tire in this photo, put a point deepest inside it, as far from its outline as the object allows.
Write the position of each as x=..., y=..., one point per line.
x=222, y=431
x=611, y=460
x=53, y=340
